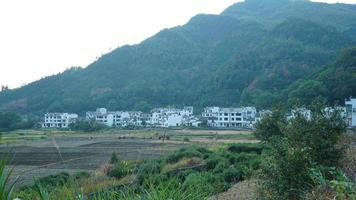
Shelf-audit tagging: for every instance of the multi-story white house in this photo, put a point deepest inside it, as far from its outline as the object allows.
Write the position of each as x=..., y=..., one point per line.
x=211, y=114
x=115, y=118
x=243, y=117
x=351, y=112
x=58, y=120
x=101, y=115
x=171, y=117
x=231, y=117
x=159, y=117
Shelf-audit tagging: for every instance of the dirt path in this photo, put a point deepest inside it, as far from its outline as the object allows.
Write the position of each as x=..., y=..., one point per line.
x=244, y=190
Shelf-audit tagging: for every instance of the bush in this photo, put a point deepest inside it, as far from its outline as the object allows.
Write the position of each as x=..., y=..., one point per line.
x=205, y=182
x=120, y=169
x=147, y=170
x=113, y=159
x=285, y=171
x=244, y=148
x=81, y=175
x=214, y=160
x=220, y=167
x=296, y=146
x=54, y=180
x=232, y=175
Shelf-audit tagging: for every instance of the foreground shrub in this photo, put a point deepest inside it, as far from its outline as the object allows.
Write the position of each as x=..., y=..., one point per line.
x=245, y=148
x=147, y=170
x=50, y=182
x=214, y=160
x=113, y=159
x=285, y=171
x=295, y=147
x=334, y=181
x=120, y=169
x=205, y=183
x=232, y=175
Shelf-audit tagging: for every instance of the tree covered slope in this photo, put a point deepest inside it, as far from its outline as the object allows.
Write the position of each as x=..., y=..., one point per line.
x=256, y=52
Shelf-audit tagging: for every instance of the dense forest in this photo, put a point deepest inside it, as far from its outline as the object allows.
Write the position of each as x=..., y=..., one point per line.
x=258, y=52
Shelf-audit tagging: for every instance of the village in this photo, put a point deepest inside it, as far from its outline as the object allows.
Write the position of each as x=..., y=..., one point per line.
x=214, y=117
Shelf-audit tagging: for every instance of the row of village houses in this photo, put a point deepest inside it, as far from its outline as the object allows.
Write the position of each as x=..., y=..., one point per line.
x=218, y=117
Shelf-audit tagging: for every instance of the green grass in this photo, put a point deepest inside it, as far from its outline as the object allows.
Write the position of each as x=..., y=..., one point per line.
x=22, y=135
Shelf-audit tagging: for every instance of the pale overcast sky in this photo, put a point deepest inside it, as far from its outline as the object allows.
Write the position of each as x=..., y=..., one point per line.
x=43, y=37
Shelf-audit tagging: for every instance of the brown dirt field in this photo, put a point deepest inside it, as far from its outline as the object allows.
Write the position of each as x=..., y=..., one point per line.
x=72, y=154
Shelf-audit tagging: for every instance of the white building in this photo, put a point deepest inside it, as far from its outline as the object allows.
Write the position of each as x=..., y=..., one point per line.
x=101, y=115
x=58, y=120
x=159, y=117
x=351, y=112
x=171, y=117
x=328, y=111
x=243, y=117
x=211, y=114
x=231, y=118
x=303, y=112
x=115, y=118
x=173, y=120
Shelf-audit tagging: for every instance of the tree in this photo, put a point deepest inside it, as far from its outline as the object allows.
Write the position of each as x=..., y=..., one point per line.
x=271, y=125
x=295, y=148
x=9, y=121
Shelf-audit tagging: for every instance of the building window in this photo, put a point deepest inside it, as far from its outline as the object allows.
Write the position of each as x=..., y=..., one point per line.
x=226, y=119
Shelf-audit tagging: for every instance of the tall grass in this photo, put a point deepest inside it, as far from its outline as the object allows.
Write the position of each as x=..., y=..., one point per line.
x=166, y=190
x=6, y=187
x=43, y=193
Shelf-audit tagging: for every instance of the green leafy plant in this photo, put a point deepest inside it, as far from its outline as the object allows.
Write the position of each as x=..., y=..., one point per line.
x=120, y=169
x=42, y=192
x=6, y=187
x=113, y=159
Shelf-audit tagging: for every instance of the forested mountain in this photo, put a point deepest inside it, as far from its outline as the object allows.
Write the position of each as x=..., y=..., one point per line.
x=258, y=52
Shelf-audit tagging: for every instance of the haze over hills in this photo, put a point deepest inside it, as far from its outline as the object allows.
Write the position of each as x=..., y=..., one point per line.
x=258, y=52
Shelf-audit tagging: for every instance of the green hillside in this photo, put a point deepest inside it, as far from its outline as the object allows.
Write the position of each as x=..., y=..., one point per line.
x=257, y=52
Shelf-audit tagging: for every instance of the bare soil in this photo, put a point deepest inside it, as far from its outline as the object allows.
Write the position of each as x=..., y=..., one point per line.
x=245, y=190
x=38, y=158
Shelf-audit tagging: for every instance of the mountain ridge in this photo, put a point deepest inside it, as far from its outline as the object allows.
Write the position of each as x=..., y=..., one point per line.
x=226, y=59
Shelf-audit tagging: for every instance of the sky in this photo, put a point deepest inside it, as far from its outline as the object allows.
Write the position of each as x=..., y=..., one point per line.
x=44, y=37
